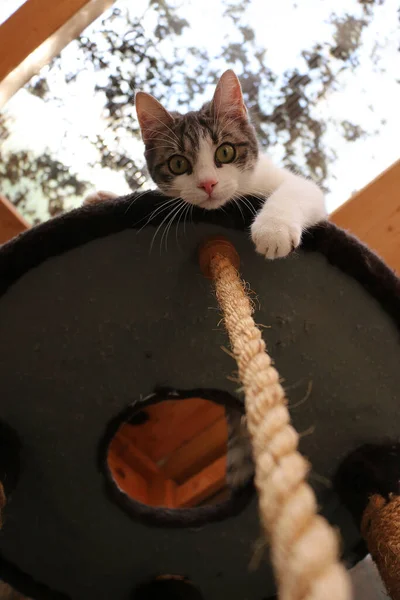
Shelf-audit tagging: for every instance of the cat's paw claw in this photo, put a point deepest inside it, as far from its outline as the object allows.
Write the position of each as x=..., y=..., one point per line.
x=275, y=238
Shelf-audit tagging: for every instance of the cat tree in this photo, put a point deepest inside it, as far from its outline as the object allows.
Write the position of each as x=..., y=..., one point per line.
x=84, y=304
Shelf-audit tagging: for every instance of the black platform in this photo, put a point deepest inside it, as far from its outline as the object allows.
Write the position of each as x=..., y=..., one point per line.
x=91, y=321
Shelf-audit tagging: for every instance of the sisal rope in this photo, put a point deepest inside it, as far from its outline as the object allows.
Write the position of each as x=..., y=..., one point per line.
x=380, y=527
x=304, y=548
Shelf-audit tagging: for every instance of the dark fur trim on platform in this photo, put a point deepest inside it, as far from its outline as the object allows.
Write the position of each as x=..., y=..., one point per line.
x=371, y=469
x=90, y=222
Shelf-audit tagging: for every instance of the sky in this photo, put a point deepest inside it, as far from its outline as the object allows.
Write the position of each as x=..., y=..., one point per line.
x=370, y=99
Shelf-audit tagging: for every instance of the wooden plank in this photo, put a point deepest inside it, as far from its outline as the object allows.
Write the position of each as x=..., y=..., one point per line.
x=30, y=26
x=127, y=479
x=44, y=37
x=137, y=475
x=197, y=453
x=11, y=222
x=126, y=452
x=385, y=240
x=208, y=482
x=162, y=492
x=171, y=424
x=185, y=427
x=373, y=215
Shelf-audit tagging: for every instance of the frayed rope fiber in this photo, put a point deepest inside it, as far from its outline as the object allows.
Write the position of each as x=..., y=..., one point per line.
x=304, y=547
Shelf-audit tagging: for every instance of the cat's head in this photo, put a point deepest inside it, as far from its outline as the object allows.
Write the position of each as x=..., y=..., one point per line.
x=204, y=157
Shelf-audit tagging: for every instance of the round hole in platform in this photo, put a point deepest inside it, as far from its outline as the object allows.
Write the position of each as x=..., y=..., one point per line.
x=166, y=458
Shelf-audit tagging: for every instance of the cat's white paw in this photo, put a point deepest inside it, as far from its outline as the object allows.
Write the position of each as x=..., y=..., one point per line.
x=275, y=236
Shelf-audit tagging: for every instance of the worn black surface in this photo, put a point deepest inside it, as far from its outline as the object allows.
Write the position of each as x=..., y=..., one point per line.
x=101, y=321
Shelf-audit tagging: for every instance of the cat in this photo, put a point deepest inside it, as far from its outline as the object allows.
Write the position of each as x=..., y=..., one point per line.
x=211, y=157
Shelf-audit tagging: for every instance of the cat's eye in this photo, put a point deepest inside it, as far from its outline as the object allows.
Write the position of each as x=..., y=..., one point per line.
x=226, y=153
x=178, y=165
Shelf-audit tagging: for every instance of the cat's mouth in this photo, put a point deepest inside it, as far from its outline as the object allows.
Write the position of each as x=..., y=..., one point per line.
x=212, y=203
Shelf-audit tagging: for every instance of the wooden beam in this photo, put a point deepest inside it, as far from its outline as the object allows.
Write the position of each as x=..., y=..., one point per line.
x=208, y=482
x=161, y=492
x=37, y=32
x=171, y=424
x=128, y=480
x=127, y=453
x=137, y=475
x=198, y=452
x=11, y=222
x=373, y=215
x=32, y=24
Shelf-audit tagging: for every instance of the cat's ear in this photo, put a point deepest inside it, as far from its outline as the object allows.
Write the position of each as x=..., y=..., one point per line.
x=151, y=115
x=228, y=97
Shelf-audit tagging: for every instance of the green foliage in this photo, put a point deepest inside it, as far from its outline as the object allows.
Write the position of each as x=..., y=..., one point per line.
x=123, y=56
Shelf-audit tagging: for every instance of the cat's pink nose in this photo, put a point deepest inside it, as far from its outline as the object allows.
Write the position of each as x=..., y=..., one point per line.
x=208, y=185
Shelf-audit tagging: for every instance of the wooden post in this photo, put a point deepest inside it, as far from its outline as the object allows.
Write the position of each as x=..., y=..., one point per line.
x=373, y=215
x=37, y=32
x=11, y=222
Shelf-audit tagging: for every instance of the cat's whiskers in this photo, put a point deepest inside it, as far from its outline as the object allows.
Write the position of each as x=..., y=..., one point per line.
x=158, y=210
x=173, y=213
x=166, y=231
x=249, y=206
x=246, y=202
x=160, y=225
x=257, y=193
x=187, y=213
x=139, y=195
x=182, y=213
x=236, y=200
x=260, y=196
x=191, y=213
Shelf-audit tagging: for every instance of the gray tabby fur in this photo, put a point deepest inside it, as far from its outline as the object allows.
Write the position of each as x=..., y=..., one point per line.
x=189, y=129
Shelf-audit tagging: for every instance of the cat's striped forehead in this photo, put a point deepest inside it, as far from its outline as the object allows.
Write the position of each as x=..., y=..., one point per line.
x=186, y=134
x=192, y=127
